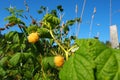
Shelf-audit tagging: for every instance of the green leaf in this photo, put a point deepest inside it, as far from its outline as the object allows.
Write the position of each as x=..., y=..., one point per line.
x=2, y=71
x=15, y=12
x=15, y=47
x=81, y=65
x=47, y=62
x=91, y=47
x=40, y=11
x=26, y=56
x=32, y=28
x=43, y=33
x=54, y=12
x=10, y=18
x=70, y=22
x=16, y=38
x=78, y=67
x=37, y=77
x=1, y=51
x=108, y=65
x=23, y=46
x=13, y=72
x=53, y=20
x=15, y=59
x=10, y=35
x=27, y=74
x=21, y=22
x=43, y=8
x=19, y=11
x=117, y=57
x=3, y=60
x=59, y=7
x=66, y=29
x=107, y=61
x=78, y=20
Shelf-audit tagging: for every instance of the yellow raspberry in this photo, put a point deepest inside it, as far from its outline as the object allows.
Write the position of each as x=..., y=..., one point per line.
x=59, y=60
x=33, y=37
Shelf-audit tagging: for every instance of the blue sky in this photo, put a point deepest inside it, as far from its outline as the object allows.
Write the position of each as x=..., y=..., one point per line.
x=101, y=21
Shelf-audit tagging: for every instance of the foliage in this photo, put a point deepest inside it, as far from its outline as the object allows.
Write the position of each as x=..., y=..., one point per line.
x=53, y=56
x=93, y=61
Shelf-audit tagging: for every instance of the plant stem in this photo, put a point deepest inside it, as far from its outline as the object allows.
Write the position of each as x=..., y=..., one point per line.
x=43, y=73
x=51, y=33
x=71, y=48
x=66, y=53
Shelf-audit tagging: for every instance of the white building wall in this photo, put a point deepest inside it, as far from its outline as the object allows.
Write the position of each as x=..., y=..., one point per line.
x=114, y=36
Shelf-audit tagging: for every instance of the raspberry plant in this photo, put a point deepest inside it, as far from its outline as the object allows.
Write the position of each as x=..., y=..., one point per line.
x=43, y=51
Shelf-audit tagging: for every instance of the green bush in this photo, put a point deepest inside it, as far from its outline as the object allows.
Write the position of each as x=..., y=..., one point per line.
x=84, y=59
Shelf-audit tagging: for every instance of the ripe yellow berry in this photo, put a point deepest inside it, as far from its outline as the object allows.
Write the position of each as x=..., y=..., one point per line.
x=59, y=60
x=33, y=37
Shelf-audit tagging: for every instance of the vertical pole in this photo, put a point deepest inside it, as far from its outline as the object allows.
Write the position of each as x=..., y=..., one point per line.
x=78, y=28
x=110, y=12
x=76, y=11
x=91, y=23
